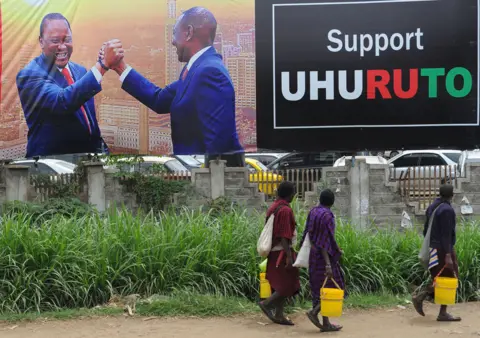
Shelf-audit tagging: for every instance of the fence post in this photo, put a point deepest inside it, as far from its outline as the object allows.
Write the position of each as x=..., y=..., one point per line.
x=3, y=187
x=96, y=185
x=359, y=192
x=17, y=181
x=217, y=178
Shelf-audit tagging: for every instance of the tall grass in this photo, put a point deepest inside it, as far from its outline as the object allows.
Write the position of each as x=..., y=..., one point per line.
x=80, y=262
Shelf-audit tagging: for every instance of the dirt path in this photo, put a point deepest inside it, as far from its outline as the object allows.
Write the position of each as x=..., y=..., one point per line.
x=393, y=323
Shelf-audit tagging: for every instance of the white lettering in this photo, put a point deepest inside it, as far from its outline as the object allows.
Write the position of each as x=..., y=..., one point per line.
x=409, y=38
x=327, y=84
x=287, y=94
x=358, y=85
x=377, y=43
x=419, y=34
x=400, y=41
x=335, y=40
x=363, y=47
x=380, y=47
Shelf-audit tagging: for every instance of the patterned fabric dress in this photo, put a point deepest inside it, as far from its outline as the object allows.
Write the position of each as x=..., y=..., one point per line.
x=321, y=229
x=285, y=282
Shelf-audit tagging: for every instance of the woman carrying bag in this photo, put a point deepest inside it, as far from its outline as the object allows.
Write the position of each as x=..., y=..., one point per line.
x=324, y=258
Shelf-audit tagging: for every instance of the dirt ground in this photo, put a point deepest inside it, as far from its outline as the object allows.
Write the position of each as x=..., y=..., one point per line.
x=385, y=323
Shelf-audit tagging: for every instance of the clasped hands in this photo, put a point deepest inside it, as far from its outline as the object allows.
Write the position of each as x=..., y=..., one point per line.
x=111, y=54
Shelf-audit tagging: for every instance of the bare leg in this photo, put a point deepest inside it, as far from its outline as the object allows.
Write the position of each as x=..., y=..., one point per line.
x=313, y=316
x=420, y=298
x=275, y=302
x=444, y=316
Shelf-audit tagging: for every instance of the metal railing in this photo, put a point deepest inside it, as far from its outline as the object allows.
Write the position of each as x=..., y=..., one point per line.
x=268, y=181
x=44, y=186
x=422, y=184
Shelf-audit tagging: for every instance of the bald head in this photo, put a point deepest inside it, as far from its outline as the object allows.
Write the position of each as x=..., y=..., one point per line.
x=195, y=29
x=203, y=23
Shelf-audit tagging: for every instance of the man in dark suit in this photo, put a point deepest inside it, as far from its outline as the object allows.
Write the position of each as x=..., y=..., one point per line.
x=202, y=101
x=57, y=94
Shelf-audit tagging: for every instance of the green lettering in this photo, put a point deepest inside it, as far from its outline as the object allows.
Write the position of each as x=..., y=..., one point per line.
x=467, y=82
x=432, y=74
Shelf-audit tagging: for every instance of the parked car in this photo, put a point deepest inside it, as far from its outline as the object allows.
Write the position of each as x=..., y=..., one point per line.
x=369, y=159
x=467, y=156
x=267, y=181
x=190, y=162
x=419, y=164
x=266, y=158
x=388, y=153
x=169, y=164
x=47, y=166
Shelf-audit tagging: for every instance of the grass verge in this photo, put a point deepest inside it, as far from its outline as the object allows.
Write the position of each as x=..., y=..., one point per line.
x=202, y=306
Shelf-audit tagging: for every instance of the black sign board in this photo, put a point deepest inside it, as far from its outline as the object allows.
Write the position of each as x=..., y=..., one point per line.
x=356, y=75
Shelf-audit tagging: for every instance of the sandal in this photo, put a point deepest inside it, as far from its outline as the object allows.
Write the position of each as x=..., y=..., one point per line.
x=266, y=312
x=448, y=318
x=331, y=328
x=418, y=305
x=283, y=321
x=314, y=320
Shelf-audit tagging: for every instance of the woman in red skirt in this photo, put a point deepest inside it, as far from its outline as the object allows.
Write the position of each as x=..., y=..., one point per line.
x=282, y=276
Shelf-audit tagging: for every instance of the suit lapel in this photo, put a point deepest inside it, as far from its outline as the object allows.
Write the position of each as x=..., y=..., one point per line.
x=184, y=84
x=76, y=76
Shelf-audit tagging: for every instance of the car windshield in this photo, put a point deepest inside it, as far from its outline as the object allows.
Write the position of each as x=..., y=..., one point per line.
x=175, y=165
x=262, y=166
x=66, y=165
x=190, y=160
x=455, y=157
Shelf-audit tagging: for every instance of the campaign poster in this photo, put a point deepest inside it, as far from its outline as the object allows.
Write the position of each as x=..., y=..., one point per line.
x=367, y=75
x=52, y=103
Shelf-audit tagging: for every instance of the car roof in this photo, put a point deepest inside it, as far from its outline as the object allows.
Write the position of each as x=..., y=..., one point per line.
x=435, y=151
x=472, y=154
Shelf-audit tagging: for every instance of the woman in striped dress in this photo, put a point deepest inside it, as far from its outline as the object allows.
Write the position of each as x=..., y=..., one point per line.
x=324, y=261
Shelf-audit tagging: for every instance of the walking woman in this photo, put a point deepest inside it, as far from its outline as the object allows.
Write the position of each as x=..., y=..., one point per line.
x=443, y=260
x=324, y=261
x=282, y=276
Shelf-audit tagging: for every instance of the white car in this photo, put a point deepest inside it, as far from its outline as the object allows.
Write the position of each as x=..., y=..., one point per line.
x=369, y=159
x=426, y=163
x=468, y=156
x=47, y=166
x=170, y=164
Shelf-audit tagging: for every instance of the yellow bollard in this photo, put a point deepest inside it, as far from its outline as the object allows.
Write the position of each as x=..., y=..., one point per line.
x=331, y=300
x=265, y=289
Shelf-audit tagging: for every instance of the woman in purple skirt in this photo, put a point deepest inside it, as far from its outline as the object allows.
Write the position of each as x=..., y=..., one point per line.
x=324, y=261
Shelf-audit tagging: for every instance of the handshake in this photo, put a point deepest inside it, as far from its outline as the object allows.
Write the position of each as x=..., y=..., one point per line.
x=110, y=56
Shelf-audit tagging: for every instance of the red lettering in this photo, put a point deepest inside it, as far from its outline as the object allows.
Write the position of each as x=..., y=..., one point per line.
x=380, y=84
x=397, y=84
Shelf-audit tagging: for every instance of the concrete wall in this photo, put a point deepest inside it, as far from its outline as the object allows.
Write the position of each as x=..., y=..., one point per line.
x=219, y=181
x=3, y=184
x=364, y=193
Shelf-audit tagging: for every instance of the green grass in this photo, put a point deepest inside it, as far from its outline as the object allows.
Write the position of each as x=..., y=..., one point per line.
x=183, y=304
x=67, y=262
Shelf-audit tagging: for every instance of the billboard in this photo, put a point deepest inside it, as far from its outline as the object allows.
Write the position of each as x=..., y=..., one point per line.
x=371, y=74
x=277, y=75
x=46, y=110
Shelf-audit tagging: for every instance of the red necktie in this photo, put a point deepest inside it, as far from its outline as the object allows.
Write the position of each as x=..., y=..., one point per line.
x=184, y=75
x=66, y=73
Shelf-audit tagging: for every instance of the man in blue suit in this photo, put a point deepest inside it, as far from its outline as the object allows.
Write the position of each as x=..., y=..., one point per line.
x=57, y=94
x=202, y=101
